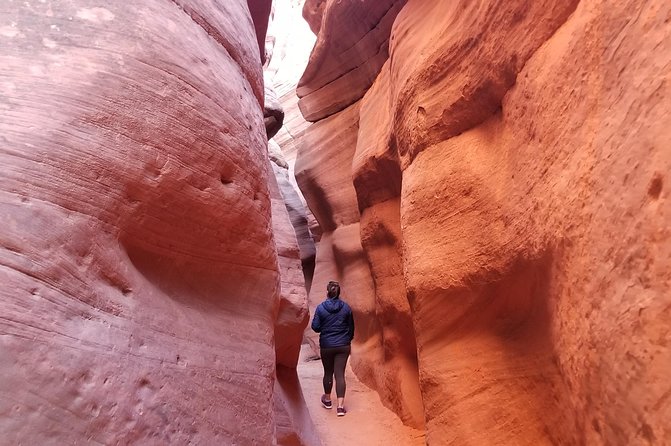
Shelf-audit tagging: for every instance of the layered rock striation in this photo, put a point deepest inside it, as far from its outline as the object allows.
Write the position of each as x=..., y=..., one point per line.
x=142, y=295
x=351, y=47
x=495, y=206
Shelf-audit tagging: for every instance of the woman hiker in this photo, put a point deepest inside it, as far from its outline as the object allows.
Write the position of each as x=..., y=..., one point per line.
x=334, y=322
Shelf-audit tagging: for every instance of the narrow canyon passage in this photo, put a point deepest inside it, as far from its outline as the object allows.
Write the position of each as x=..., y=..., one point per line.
x=488, y=181
x=367, y=422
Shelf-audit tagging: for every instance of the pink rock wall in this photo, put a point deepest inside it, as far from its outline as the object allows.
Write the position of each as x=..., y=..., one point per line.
x=141, y=282
x=293, y=310
x=510, y=178
x=293, y=425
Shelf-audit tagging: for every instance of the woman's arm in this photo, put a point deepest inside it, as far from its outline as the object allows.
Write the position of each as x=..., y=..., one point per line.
x=317, y=321
x=350, y=321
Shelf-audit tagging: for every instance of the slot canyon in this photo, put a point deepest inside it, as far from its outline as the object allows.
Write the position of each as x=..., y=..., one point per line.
x=487, y=180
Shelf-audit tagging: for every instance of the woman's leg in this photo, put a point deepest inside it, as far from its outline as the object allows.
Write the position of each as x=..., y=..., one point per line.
x=328, y=361
x=340, y=363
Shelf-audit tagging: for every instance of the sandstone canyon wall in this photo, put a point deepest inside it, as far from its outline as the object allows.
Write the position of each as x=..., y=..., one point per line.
x=494, y=200
x=141, y=292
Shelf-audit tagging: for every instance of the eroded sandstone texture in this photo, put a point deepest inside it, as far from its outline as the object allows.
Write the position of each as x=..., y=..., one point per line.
x=496, y=208
x=141, y=290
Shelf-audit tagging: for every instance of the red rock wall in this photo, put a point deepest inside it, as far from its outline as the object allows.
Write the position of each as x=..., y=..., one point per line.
x=141, y=282
x=510, y=172
x=292, y=419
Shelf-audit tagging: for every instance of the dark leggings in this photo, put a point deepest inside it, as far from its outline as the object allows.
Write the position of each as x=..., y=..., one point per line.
x=334, y=361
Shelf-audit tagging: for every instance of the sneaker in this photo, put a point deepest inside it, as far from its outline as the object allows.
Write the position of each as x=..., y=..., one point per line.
x=341, y=411
x=327, y=404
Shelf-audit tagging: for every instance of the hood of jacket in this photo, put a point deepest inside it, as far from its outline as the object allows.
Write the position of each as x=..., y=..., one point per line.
x=333, y=305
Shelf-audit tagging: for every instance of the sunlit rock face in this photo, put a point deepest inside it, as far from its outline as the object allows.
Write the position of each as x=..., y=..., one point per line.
x=509, y=166
x=140, y=276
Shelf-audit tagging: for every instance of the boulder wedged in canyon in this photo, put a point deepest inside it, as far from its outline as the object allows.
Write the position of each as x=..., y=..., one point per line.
x=510, y=179
x=141, y=280
x=273, y=113
x=289, y=43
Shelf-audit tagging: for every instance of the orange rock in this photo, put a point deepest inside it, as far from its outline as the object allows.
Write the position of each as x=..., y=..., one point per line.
x=510, y=182
x=527, y=215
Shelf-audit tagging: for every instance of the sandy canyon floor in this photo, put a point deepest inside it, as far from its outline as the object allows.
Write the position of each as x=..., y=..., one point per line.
x=367, y=421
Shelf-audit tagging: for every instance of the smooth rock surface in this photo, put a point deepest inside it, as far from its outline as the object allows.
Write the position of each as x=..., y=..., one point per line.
x=139, y=269
x=298, y=220
x=469, y=52
x=292, y=315
x=547, y=220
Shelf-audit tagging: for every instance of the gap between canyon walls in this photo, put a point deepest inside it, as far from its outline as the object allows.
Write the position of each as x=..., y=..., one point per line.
x=470, y=166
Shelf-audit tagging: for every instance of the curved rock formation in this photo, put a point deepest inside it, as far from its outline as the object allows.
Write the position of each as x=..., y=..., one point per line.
x=260, y=12
x=511, y=202
x=351, y=47
x=313, y=11
x=141, y=281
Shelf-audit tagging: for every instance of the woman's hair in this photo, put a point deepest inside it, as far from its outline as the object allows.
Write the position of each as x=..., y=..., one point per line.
x=333, y=290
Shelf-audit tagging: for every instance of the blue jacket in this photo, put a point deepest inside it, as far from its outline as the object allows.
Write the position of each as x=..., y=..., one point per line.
x=334, y=322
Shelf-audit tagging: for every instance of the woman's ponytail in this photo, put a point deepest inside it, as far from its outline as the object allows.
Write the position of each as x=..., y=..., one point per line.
x=333, y=290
